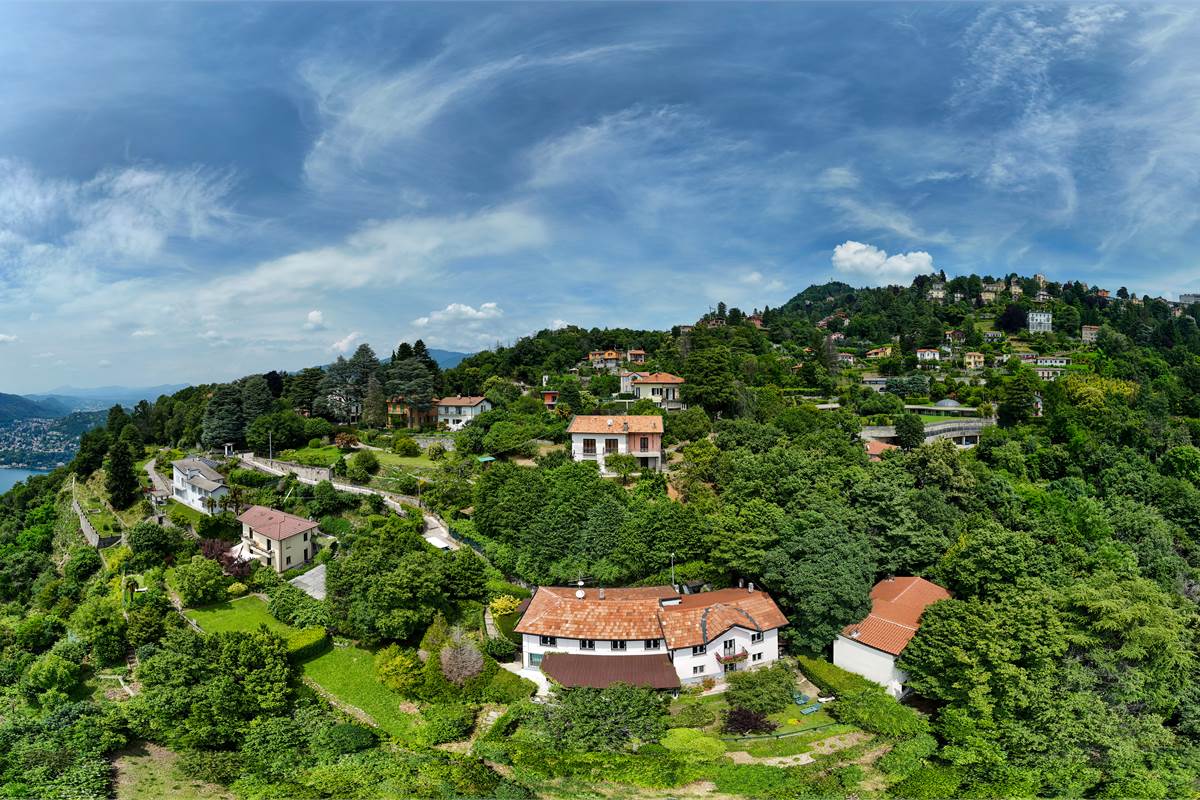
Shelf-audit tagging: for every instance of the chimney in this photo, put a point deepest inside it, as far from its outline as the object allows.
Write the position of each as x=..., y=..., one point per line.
x=601, y=593
x=750, y=587
x=609, y=422
x=625, y=426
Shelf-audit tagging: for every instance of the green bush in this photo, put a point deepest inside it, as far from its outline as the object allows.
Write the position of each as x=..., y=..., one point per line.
x=306, y=644
x=447, y=723
x=200, y=581
x=907, y=757
x=211, y=766
x=506, y=687
x=406, y=446
x=762, y=690
x=496, y=588
x=235, y=589
x=499, y=648
x=693, y=715
x=929, y=782
x=339, y=740
x=693, y=744
x=862, y=702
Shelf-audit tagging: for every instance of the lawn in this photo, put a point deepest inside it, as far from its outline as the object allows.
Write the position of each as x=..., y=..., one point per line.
x=90, y=495
x=243, y=614
x=348, y=673
x=790, y=719
x=148, y=772
x=389, y=459
x=177, y=510
x=933, y=419
x=789, y=745
x=325, y=456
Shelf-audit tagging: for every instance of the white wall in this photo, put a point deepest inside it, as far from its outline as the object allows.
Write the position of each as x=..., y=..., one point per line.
x=683, y=659
x=874, y=665
x=191, y=496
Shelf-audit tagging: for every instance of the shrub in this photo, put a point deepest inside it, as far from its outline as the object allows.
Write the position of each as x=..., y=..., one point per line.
x=83, y=563
x=363, y=462
x=345, y=442
x=406, y=446
x=693, y=744
x=211, y=766
x=863, y=703
x=761, y=690
x=461, y=661
x=504, y=604
x=743, y=720
x=398, y=670
x=929, y=782
x=907, y=757
x=338, y=740
x=435, y=452
x=496, y=588
x=506, y=687
x=236, y=589
x=146, y=651
x=499, y=648
x=306, y=644
x=291, y=606
x=447, y=723
x=693, y=715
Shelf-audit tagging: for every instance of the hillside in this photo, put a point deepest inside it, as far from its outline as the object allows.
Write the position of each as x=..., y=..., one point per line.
x=14, y=407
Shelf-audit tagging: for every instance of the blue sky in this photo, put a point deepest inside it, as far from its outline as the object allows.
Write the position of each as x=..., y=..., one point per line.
x=195, y=192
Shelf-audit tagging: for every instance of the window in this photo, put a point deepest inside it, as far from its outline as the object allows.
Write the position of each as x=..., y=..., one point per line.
x=289, y=560
x=653, y=644
x=268, y=545
x=616, y=644
x=656, y=391
x=306, y=536
x=535, y=659
x=548, y=641
x=645, y=443
x=729, y=646
x=756, y=657
x=587, y=644
x=699, y=650
x=589, y=447
x=731, y=667
x=755, y=638
x=698, y=670
x=610, y=446
x=306, y=554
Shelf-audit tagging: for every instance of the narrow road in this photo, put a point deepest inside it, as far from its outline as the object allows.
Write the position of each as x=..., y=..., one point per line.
x=156, y=480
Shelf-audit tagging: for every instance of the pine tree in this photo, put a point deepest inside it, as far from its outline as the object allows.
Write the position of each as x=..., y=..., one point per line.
x=119, y=479
x=223, y=420
x=256, y=398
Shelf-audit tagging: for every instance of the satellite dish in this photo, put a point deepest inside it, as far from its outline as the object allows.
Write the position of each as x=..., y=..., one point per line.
x=579, y=593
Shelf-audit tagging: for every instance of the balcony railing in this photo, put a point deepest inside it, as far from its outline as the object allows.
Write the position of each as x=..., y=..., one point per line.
x=729, y=658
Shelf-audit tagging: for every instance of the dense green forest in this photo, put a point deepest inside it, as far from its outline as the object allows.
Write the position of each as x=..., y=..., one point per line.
x=1065, y=664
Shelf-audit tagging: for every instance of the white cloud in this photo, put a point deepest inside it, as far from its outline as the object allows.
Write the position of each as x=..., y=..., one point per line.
x=6, y=338
x=868, y=264
x=838, y=178
x=104, y=362
x=315, y=321
x=460, y=312
x=141, y=333
x=344, y=344
x=558, y=324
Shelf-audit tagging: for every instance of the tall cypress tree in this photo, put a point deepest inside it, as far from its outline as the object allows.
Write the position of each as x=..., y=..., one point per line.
x=119, y=479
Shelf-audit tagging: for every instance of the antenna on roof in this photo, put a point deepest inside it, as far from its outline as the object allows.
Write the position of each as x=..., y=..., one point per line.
x=601, y=593
x=579, y=594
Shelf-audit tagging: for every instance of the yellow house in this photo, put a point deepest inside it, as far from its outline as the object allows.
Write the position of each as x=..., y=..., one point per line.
x=973, y=360
x=277, y=539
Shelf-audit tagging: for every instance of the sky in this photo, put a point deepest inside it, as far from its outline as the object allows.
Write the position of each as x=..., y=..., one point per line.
x=195, y=192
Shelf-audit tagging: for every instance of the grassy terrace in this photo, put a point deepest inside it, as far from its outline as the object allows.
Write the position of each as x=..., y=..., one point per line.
x=348, y=674
x=243, y=614
x=325, y=456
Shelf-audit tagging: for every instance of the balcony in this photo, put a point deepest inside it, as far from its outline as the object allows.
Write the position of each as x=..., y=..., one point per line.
x=732, y=658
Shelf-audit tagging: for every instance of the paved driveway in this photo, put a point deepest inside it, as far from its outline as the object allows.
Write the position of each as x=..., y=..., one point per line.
x=312, y=583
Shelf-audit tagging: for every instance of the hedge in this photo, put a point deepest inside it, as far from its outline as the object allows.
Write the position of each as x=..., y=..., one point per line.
x=862, y=702
x=907, y=757
x=306, y=644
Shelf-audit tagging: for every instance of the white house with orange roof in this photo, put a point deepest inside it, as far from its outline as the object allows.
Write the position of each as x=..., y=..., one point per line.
x=596, y=436
x=649, y=636
x=871, y=647
x=661, y=388
x=277, y=539
x=455, y=412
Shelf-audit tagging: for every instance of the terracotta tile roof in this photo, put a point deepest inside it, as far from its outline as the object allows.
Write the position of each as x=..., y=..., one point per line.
x=701, y=618
x=876, y=448
x=273, y=524
x=622, y=614
x=600, y=424
x=599, y=672
x=639, y=613
x=460, y=401
x=896, y=608
x=659, y=377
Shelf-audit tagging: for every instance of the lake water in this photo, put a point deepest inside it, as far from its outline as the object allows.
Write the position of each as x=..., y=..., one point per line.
x=11, y=477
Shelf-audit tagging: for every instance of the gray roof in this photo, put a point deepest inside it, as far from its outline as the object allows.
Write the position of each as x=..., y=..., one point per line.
x=200, y=472
x=949, y=402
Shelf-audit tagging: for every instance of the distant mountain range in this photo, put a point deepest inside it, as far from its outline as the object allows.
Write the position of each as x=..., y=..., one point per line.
x=447, y=358
x=72, y=398
x=14, y=407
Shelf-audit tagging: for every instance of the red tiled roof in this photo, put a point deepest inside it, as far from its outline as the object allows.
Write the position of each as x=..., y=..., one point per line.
x=876, y=448
x=599, y=672
x=659, y=377
x=896, y=608
x=639, y=613
x=599, y=424
x=700, y=618
x=460, y=401
x=273, y=524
